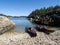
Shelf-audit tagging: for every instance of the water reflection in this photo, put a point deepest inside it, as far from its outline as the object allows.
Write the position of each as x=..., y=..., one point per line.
x=21, y=23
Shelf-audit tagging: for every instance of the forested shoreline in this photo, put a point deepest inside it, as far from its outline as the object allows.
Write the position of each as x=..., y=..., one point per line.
x=48, y=16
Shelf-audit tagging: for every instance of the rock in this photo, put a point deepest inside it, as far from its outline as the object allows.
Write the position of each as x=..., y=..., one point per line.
x=5, y=24
x=55, y=36
x=15, y=38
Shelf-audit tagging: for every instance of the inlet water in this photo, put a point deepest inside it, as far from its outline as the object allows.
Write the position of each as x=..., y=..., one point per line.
x=21, y=23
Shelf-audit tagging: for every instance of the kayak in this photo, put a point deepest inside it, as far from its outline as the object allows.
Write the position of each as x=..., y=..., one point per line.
x=45, y=30
x=31, y=32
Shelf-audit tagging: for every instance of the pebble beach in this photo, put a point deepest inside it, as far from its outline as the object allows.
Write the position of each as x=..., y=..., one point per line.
x=17, y=38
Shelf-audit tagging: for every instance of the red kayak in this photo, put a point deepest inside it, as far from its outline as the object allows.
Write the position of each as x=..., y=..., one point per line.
x=32, y=32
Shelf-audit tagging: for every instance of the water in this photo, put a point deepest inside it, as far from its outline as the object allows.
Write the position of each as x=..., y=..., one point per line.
x=21, y=23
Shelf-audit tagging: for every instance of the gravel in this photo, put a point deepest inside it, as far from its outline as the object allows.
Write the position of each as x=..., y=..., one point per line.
x=19, y=38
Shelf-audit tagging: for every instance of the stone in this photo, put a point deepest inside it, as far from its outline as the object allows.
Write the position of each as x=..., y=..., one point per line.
x=5, y=24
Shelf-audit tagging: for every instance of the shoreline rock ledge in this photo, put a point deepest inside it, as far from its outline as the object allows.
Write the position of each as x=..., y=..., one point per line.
x=5, y=24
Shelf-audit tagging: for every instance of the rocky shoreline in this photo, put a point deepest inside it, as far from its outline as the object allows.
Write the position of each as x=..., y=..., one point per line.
x=22, y=38
x=5, y=24
x=17, y=38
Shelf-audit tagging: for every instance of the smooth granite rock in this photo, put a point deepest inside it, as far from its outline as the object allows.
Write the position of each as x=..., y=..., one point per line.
x=5, y=24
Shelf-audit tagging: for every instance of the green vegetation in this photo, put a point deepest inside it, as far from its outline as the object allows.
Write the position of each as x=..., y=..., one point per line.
x=48, y=16
x=13, y=16
x=5, y=15
x=2, y=15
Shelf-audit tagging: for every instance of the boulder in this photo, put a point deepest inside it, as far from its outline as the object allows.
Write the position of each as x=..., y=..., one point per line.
x=5, y=24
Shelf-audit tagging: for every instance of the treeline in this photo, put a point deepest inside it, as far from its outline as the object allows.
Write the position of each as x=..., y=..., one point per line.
x=2, y=15
x=5, y=15
x=48, y=16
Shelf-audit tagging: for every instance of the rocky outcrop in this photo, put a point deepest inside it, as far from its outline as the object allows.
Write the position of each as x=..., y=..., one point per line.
x=5, y=24
x=51, y=18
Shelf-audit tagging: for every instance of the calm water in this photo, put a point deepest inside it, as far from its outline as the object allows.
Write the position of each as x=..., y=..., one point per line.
x=21, y=23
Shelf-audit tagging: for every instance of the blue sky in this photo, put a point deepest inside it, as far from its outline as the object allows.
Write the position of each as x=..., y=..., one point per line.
x=24, y=7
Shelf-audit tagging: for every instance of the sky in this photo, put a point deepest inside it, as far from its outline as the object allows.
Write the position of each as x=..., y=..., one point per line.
x=24, y=7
